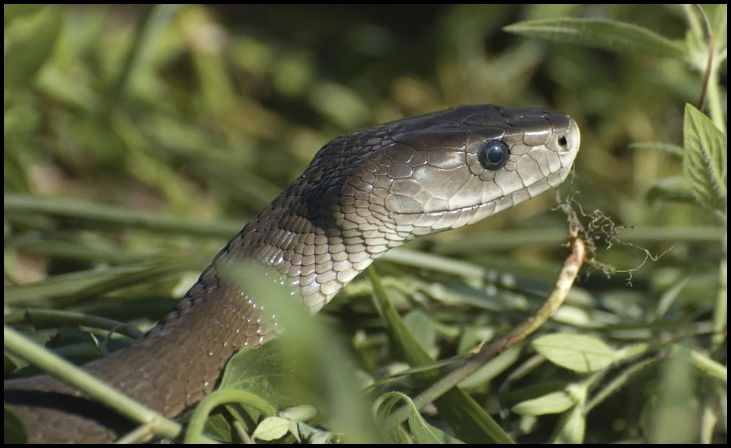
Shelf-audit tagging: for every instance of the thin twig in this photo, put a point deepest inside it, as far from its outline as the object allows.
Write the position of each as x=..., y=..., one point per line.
x=563, y=285
x=709, y=60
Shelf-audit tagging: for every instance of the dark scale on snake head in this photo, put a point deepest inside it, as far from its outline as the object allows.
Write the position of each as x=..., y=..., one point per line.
x=363, y=194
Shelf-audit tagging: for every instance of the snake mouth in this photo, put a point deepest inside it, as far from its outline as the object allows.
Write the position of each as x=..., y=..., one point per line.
x=448, y=210
x=514, y=197
x=425, y=222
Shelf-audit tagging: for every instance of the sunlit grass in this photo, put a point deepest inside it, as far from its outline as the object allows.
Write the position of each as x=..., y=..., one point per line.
x=138, y=140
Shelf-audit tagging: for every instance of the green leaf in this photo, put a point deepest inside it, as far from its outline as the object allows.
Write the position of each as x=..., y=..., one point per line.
x=674, y=400
x=423, y=432
x=669, y=297
x=469, y=420
x=668, y=148
x=421, y=325
x=576, y=352
x=673, y=188
x=492, y=369
x=696, y=39
x=572, y=426
x=13, y=428
x=708, y=366
x=29, y=42
x=705, y=158
x=202, y=411
x=75, y=286
x=98, y=216
x=305, y=433
x=341, y=104
x=299, y=413
x=218, y=428
x=553, y=403
x=11, y=12
x=601, y=33
x=267, y=371
x=271, y=428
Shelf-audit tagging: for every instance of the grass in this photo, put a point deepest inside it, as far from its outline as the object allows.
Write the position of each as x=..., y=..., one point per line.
x=138, y=140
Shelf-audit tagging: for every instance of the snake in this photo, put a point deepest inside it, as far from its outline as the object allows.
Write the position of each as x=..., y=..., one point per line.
x=363, y=194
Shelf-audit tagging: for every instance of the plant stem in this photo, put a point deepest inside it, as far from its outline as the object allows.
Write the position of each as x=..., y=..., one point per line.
x=88, y=384
x=563, y=285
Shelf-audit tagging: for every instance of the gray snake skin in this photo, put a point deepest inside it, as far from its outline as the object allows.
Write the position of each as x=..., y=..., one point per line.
x=363, y=194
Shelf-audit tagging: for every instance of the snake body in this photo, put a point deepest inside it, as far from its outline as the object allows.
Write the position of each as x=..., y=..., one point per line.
x=363, y=194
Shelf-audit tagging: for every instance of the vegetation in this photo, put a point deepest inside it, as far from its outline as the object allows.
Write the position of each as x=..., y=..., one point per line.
x=138, y=140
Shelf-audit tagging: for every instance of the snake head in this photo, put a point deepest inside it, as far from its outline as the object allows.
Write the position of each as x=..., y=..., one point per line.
x=374, y=189
x=455, y=167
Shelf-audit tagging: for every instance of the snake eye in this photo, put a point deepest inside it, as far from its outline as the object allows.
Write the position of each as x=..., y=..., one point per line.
x=494, y=155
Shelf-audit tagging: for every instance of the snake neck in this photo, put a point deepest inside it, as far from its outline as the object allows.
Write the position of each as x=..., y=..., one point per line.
x=316, y=250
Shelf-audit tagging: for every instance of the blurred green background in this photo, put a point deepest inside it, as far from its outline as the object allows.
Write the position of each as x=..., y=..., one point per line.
x=137, y=135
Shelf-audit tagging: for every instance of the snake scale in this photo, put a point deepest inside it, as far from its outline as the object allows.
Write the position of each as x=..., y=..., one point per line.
x=363, y=194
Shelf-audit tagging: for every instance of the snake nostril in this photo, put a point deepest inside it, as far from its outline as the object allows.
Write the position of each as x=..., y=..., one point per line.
x=562, y=141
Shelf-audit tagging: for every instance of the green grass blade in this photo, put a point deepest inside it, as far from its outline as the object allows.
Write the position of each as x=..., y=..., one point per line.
x=602, y=33
x=95, y=215
x=470, y=421
x=76, y=286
